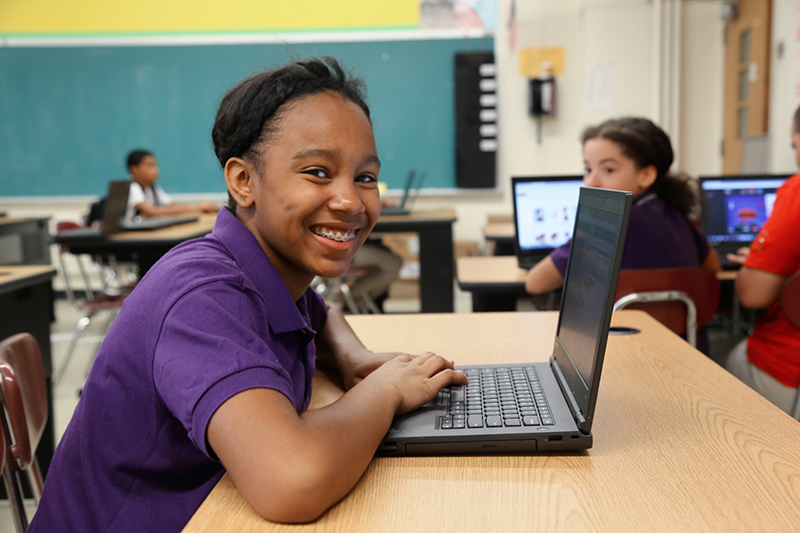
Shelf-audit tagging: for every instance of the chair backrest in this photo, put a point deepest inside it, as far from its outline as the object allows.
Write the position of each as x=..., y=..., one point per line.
x=790, y=299
x=24, y=394
x=3, y=451
x=790, y=305
x=699, y=284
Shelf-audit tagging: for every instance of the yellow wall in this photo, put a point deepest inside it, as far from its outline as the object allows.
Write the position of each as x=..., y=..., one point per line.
x=64, y=17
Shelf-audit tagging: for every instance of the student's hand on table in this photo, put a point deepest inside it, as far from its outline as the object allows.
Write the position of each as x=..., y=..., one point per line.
x=416, y=379
x=740, y=256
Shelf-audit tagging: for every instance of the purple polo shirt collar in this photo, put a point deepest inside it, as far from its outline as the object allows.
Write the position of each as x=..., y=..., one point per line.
x=245, y=249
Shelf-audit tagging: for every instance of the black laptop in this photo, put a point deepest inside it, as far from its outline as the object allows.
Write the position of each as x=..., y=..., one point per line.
x=537, y=406
x=544, y=214
x=736, y=208
x=113, y=220
x=409, y=194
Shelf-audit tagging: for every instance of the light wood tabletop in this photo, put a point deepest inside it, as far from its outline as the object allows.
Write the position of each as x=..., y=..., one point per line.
x=423, y=215
x=679, y=445
x=7, y=219
x=202, y=226
x=499, y=231
x=12, y=277
x=489, y=269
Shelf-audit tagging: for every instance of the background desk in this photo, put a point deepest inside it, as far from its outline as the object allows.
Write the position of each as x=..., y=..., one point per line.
x=143, y=247
x=501, y=235
x=435, y=230
x=26, y=306
x=680, y=445
x=434, y=227
x=494, y=281
x=24, y=241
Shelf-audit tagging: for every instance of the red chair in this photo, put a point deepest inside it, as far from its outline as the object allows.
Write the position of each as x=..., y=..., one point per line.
x=683, y=299
x=23, y=391
x=790, y=305
x=94, y=301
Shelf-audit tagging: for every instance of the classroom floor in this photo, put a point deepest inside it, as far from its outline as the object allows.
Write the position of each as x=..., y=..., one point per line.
x=66, y=393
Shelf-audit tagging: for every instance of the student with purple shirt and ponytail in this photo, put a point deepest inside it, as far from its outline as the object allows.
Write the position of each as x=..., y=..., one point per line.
x=633, y=154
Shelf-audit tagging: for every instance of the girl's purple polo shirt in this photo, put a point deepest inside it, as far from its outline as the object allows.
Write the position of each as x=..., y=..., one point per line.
x=211, y=319
x=659, y=236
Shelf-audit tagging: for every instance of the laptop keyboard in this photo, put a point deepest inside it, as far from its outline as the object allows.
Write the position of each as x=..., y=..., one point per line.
x=498, y=397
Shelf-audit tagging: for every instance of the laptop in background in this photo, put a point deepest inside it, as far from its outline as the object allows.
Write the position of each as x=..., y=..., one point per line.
x=148, y=224
x=532, y=407
x=736, y=208
x=404, y=207
x=113, y=220
x=544, y=214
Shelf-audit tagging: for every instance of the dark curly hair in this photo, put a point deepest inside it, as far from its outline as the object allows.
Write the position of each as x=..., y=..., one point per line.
x=250, y=112
x=135, y=157
x=648, y=145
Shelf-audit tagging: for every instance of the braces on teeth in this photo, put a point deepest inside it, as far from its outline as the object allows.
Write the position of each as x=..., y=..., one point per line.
x=336, y=236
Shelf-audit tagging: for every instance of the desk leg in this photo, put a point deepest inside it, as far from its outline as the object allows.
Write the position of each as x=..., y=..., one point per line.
x=436, y=269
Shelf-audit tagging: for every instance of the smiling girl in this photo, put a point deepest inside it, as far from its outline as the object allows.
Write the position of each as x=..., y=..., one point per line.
x=208, y=366
x=633, y=154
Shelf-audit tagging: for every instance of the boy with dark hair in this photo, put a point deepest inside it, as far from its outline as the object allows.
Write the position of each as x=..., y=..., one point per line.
x=146, y=198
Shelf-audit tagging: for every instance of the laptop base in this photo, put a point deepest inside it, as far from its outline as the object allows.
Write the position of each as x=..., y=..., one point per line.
x=411, y=434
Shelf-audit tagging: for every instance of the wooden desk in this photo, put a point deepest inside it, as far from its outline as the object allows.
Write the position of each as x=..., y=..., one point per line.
x=494, y=281
x=24, y=241
x=435, y=230
x=144, y=247
x=679, y=445
x=501, y=235
x=26, y=306
x=434, y=227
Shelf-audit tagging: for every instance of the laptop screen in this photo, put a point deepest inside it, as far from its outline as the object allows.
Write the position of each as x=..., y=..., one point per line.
x=589, y=289
x=737, y=206
x=544, y=210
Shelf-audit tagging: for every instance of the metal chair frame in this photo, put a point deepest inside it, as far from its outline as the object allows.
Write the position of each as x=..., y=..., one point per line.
x=108, y=299
x=665, y=296
x=23, y=395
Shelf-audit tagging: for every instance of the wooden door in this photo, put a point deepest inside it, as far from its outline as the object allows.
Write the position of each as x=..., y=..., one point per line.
x=747, y=56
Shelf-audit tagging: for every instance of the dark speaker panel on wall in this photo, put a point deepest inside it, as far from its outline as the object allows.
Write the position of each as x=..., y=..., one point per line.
x=476, y=119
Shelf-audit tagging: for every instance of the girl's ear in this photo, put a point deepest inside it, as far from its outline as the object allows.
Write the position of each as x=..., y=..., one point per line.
x=239, y=176
x=647, y=176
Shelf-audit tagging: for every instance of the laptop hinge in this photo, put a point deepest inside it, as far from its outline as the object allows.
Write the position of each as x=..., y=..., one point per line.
x=573, y=405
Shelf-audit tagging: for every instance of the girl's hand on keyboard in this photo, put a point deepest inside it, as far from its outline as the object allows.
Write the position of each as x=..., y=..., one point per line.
x=416, y=380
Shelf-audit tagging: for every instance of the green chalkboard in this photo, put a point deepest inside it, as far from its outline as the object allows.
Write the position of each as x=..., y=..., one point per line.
x=68, y=115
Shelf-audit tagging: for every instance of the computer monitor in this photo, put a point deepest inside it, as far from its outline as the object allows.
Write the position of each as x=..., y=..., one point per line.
x=544, y=214
x=736, y=207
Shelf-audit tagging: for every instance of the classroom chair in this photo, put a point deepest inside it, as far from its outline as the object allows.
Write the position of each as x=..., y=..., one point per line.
x=107, y=299
x=683, y=299
x=790, y=305
x=23, y=391
x=336, y=292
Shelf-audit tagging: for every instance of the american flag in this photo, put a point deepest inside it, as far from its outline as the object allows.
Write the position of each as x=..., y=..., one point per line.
x=512, y=26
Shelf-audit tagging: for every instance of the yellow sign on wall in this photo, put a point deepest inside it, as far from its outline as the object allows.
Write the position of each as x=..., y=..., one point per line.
x=60, y=17
x=530, y=60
